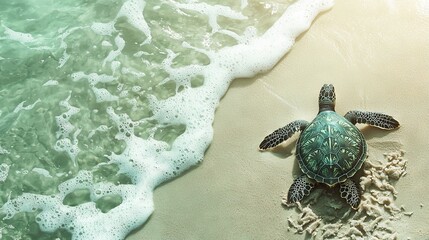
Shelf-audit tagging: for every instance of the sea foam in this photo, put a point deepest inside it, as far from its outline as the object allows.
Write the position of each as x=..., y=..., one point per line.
x=157, y=134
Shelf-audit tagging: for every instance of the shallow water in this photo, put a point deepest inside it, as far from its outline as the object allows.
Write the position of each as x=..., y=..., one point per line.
x=101, y=102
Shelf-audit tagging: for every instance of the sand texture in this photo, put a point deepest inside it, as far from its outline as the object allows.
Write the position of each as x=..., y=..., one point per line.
x=376, y=53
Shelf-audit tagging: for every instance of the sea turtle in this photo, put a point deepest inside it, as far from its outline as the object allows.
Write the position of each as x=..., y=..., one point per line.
x=330, y=149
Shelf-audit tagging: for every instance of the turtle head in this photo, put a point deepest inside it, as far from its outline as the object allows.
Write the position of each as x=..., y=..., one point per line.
x=327, y=98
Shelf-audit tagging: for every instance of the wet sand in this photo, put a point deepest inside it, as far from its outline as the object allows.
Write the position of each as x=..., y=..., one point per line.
x=376, y=53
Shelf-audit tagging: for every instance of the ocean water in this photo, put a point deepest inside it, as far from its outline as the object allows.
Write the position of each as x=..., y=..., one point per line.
x=102, y=101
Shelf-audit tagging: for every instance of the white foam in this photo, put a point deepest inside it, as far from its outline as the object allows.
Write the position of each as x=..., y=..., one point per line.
x=150, y=161
x=101, y=94
x=67, y=133
x=4, y=171
x=3, y=151
x=132, y=10
x=211, y=11
x=65, y=128
x=120, y=44
x=42, y=172
x=105, y=43
x=69, y=146
x=93, y=78
x=63, y=35
x=102, y=128
x=21, y=107
x=104, y=29
x=18, y=36
x=51, y=83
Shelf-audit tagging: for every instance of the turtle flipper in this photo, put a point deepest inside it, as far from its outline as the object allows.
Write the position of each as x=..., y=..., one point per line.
x=300, y=187
x=350, y=191
x=372, y=118
x=282, y=134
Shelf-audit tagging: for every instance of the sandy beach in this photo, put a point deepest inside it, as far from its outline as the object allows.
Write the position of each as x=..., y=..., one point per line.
x=376, y=53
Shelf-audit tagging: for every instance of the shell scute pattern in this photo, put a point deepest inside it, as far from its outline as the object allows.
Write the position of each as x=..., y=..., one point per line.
x=331, y=149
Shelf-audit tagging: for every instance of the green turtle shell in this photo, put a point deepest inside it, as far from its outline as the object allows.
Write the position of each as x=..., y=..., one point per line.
x=331, y=149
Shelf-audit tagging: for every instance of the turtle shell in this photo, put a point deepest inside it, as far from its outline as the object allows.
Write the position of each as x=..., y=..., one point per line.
x=331, y=149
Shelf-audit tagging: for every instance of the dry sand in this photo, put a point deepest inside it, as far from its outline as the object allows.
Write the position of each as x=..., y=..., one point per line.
x=376, y=53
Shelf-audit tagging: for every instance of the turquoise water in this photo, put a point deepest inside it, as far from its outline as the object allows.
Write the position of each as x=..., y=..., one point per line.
x=101, y=101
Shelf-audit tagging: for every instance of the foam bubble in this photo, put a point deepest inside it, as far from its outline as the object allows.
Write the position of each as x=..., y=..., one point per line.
x=69, y=146
x=66, y=141
x=104, y=29
x=65, y=128
x=18, y=36
x=102, y=95
x=4, y=171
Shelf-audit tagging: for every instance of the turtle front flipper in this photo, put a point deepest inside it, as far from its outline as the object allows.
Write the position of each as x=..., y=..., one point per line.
x=372, y=118
x=350, y=191
x=282, y=134
x=300, y=187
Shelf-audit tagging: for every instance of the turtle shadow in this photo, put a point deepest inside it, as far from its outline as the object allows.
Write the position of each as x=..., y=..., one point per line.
x=370, y=132
x=375, y=138
x=285, y=150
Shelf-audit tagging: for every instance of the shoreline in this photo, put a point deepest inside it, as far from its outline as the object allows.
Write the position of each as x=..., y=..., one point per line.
x=359, y=47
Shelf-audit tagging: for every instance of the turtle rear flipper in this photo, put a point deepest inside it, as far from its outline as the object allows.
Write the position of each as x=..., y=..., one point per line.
x=372, y=118
x=350, y=191
x=282, y=134
x=300, y=187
